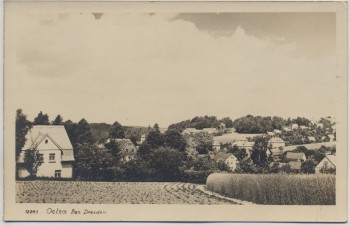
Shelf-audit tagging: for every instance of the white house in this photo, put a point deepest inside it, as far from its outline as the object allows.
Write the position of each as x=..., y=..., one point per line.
x=329, y=162
x=319, y=125
x=216, y=146
x=294, y=126
x=295, y=156
x=190, y=131
x=276, y=131
x=127, y=148
x=331, y=137
x=210, y=130
x=311, y=139
x=229, y=159
x=231, y=162
x=275, y=153
x=52, y=142
x=276, y=142
x=287, y=129
x=143, y=138
x=244, y=143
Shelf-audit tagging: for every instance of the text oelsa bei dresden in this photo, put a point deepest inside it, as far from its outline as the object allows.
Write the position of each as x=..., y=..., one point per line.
x=73, y=211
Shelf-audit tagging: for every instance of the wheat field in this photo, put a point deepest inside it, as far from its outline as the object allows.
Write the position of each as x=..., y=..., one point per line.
x=275, y=189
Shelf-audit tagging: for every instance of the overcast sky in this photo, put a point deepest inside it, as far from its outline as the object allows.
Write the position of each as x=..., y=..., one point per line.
x=140, y=69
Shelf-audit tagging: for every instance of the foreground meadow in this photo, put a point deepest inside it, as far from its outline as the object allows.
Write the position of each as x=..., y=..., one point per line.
x=276, y=189
x=113, y=193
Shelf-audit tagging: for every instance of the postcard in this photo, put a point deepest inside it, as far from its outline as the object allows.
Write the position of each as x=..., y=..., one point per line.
x=175, y=111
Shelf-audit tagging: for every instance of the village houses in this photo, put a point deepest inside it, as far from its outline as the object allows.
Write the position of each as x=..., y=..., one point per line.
x=216, y=146
x=244, y=144
x=127, y=148
x=275, y=147
x=276, y=142
x=295, y=156
x=229, y=159
x=55, y=148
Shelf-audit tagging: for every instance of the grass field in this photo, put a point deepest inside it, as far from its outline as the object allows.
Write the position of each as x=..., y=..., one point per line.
x=113, y=193
x=230, y=137
x=275, y=189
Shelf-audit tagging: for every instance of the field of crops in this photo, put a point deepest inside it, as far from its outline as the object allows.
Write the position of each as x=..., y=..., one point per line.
x=276, y=189
x=113, y=193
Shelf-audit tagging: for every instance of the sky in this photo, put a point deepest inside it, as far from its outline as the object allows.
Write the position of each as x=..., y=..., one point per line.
x=141, y=69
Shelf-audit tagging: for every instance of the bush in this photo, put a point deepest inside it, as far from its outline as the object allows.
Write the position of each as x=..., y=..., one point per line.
x=276, y=189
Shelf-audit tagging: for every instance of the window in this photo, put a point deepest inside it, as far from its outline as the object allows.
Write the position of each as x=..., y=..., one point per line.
x=46, y=141
x=57, y=173
x=52, y=157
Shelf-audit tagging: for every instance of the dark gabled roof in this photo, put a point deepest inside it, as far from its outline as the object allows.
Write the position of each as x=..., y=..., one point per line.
x=220, y=156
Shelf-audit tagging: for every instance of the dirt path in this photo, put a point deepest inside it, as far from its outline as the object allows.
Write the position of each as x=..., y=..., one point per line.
x=114, y=193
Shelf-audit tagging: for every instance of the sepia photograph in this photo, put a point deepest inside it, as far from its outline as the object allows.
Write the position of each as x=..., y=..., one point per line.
x=167, y=107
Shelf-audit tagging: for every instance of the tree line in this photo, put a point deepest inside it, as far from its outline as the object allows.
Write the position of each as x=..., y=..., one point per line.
x=161, y=157
x=201, y=122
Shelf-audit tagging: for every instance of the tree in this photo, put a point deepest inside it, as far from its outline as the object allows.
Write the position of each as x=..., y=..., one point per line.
x=58, y=120
x=156, y=127
x=83, y=133
x=41, y=119
x=259, y=149
x=246, y=166
x=286, y=168
x=239, y=153
x=308, y=166
x=202, y=164
x=22, y=128
x=32, y=160
x=174, y=139
x=168, y=163
x=301, y=121
x=274, y=168
x=327, y=169
x=92, y=163
x=112, y=146
x=203, y=142
x=145, y=150
x=222, y=166
x=116, y=131
x=227, y=121
x=71, y=129
x=155, y=139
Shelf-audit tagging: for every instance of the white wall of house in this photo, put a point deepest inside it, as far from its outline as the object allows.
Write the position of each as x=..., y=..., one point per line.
x=51, y=166
x=323, y=163
x=48, y=167
x=231, y=162
x=22, y=172
x=67, y=170
x=276, y=144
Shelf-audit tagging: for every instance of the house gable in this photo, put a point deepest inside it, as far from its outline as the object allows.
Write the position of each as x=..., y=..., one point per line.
x=47, y=143
x=53, y=143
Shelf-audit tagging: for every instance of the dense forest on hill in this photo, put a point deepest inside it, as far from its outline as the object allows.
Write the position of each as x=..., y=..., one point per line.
x=100, y=131
x=200, y=122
